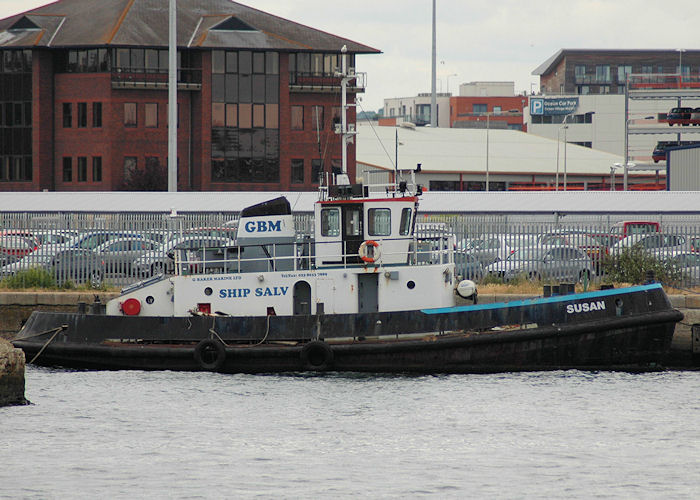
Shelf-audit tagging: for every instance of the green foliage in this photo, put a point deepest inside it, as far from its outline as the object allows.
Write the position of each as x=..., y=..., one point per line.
x=153, y=178
x=633, y=264
x=30, y=278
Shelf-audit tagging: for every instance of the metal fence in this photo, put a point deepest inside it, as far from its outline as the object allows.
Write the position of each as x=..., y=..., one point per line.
x=98, y=249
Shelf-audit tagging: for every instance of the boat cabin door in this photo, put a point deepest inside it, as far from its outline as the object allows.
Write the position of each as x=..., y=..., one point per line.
x=353, y=233
x=367, y=292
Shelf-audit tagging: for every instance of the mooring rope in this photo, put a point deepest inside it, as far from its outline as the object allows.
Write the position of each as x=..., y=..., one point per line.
x=58, y=330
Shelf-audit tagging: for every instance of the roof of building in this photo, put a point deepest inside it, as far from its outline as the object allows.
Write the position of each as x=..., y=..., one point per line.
x=553, y=61
x=144, y=23
x=458, y=150
x=476, y=202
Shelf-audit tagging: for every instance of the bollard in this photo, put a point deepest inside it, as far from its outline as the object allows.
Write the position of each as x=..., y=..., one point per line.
x=547, y=291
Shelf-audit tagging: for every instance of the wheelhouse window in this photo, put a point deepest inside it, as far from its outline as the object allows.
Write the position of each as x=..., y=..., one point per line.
x=379, y=221
x=405, y=225
x=330, y=222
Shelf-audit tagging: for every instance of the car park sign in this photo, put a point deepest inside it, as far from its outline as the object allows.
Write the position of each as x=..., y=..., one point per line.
x=553, y=106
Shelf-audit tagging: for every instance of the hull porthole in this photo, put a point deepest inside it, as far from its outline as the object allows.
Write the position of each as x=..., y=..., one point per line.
x=316, y=356
x=210, y=354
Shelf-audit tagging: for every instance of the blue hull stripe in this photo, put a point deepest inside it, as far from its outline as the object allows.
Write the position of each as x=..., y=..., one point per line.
x=545, y=300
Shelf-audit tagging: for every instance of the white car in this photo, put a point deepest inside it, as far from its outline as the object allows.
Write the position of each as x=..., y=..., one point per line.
x=657, y=244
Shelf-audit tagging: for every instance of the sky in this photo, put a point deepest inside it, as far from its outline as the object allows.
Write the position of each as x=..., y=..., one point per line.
x=498, y=40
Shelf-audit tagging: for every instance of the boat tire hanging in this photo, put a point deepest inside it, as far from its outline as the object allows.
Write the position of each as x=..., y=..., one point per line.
x=316, y=356
x=369, y=251
x=210, y=354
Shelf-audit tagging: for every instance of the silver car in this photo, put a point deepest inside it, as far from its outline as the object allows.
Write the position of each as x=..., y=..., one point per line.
x=562, y=263
x=160, y=261
x=119, y=254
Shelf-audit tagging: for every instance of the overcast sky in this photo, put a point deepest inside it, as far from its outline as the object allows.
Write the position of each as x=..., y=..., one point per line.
x=476, y=40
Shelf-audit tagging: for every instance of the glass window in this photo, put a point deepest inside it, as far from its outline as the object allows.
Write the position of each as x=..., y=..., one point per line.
x=82, y=114
x=152, y=60
x=258, y=88
x=580, y=70
x=271, y=116
x=330, y=222
x=96, y=114
x=258, y=116
x=602, y=73
x=218, y=61
x=232, y=115
x=316, y=170
x=353, y=227
x=82, y=169
x=258, y=62
x=245, y=62
x=96, y=169
x=245, y=116
x=272, y=64
x=623, y=71
x=130, y=118
x=137, y=60
x=479, y=108
x=123, y=59
x=405, y=225
x=67, y=169
x=297, y=117
x=232, y=62
x=217, y=114
x=151, y=115
x=317, y=117
x=379, y=221
x=67, y=115
x=297, y=171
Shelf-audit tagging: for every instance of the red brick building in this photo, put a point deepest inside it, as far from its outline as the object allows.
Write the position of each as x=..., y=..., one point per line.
x=502, y=111
x=83, y=97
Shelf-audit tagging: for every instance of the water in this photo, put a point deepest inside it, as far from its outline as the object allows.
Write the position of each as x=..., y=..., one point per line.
x=201, y=435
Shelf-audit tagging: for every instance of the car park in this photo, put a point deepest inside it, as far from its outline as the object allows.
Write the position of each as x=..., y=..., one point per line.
x=487, y=248
x=687, y=264
x=562, y=263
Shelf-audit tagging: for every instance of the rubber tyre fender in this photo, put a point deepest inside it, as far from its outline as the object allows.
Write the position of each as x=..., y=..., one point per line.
x=203, y=352
x=316, y=356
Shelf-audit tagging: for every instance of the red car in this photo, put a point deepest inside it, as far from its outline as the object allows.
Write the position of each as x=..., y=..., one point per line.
x=16, y=244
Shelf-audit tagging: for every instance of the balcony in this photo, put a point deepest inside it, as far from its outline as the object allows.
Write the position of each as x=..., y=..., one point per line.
x=323, y=82
x=592, y=80
x=148, y=79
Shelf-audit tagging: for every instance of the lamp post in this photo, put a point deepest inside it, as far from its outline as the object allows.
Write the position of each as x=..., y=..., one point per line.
x=680, y=63
x=556, y=177
x=487, y=150
x=448, y=81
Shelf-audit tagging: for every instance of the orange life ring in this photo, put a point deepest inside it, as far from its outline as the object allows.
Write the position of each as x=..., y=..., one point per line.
x=368, y=255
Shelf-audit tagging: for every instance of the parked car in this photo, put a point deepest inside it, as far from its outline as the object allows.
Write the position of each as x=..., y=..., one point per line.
x=687, y=264
x=78, y=265
x=626, y=228
x=15, y=244
x=469, y=267
x=592, y=246
x=487, y=248
x=657, y=244
x=160, y=260
x=119, y=254
x=695, y=116
x=679, y=116
x=54, y=236
x=562, y=263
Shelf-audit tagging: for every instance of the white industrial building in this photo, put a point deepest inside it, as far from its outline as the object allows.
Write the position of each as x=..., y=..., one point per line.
x=458, y=159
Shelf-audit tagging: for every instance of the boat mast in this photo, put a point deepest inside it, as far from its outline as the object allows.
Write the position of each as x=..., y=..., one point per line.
x=172, y=97
x=344, y=107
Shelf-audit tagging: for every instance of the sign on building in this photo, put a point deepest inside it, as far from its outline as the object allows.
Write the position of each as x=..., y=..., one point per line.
x=553, y=106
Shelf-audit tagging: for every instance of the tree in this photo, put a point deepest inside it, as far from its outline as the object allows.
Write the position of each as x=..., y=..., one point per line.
x=152, y=178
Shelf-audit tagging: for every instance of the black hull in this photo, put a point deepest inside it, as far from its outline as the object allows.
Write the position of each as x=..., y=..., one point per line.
x=632, y=332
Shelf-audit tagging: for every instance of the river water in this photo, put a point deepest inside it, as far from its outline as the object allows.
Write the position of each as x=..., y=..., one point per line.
x=538, y=435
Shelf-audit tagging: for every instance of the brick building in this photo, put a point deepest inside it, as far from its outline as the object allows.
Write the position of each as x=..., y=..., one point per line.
x=83, y=97
x=601, y=71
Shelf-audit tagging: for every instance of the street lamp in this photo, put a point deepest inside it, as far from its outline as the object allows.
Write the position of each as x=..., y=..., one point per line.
x=448, y=81
x=556, y=177
x=680, y=63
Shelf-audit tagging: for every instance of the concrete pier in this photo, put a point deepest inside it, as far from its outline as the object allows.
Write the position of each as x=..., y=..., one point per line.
x=11, y=375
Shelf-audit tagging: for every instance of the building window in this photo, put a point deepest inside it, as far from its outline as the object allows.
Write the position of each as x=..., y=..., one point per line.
x=602, y=73
x=82, y=115
x=297, y=117
x=67, y=115
x=67, y=169
x=479, y=108
x=245, y=116
x=297, y=171
x=130, y=118
x=647, y=69
x=82, y=169
x=580, y=71
x=317, y=117
x=623, y=71
x=130, y=165
x=97, y=114
x=151, y=115
x=316, y=170
x=96, y=169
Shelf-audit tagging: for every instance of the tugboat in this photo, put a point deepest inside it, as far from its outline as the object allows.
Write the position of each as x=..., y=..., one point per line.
x=365, y=292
